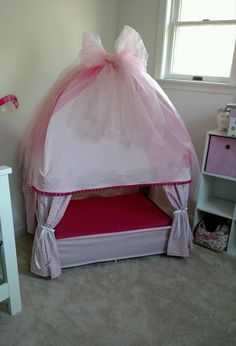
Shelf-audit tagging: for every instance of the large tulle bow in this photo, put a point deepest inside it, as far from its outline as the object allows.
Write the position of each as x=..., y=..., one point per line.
x=129, y=46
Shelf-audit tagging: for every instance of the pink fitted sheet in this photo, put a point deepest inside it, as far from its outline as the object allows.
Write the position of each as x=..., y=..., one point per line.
x=109, y=215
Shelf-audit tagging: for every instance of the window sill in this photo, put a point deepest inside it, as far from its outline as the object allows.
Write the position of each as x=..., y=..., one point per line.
x=198, y=86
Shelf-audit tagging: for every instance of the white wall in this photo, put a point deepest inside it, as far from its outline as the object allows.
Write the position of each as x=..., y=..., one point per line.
x=38, y=39
x=142, y=16
x=198, y=109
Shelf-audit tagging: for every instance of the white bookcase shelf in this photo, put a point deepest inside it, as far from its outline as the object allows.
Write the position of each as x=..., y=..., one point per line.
x=217, y=176
x=218, y=206
x=9, y=279
x=217, y=192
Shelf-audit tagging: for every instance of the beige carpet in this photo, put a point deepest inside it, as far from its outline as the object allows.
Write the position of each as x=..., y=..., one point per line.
x=154, y=300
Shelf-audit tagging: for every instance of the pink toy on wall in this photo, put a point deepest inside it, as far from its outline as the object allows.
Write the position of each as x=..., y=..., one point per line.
x=9, y=98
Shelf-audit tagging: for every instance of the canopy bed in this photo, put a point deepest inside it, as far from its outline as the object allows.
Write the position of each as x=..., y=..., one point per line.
x=105, y=126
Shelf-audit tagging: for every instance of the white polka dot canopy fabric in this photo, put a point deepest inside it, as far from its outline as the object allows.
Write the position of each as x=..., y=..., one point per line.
x=107, y=123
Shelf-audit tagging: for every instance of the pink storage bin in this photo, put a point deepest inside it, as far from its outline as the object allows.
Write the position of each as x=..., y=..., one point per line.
x=221, y=158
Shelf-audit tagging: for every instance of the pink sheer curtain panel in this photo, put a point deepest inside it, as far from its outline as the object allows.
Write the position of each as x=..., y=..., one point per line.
x=180, y=240
x=45, y=258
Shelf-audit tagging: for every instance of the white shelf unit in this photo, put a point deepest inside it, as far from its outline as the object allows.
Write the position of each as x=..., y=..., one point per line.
x=217, y=193
x=9, y=283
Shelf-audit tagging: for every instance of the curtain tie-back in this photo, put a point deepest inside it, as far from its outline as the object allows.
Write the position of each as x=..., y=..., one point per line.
x=178, y=211
x=45, y=229
x=42, y=231
x=179, y=226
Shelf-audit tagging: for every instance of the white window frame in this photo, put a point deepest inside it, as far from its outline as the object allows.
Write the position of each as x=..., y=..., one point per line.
x=168, y=15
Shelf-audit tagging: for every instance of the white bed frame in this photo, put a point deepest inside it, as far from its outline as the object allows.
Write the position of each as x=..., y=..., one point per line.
x=107, y=247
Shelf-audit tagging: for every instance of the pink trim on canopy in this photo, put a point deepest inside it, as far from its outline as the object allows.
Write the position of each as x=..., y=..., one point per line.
x=45, y=193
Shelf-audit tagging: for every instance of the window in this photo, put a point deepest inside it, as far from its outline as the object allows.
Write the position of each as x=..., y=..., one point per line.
x=200, y=40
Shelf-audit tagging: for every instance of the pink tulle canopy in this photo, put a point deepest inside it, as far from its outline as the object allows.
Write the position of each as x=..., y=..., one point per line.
x=107, y=123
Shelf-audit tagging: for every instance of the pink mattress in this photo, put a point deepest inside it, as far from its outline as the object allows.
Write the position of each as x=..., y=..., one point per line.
x=114, y=214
